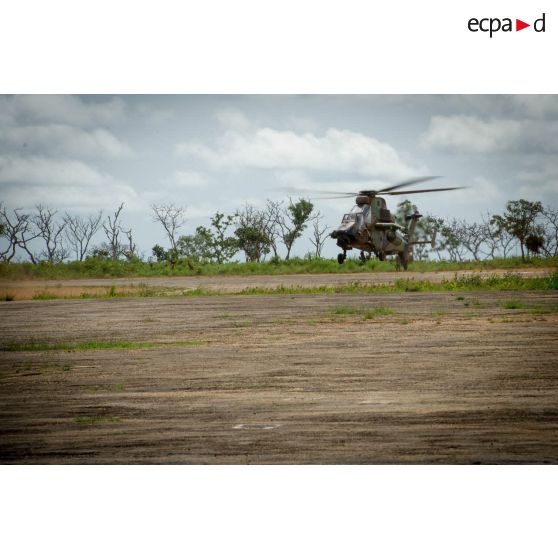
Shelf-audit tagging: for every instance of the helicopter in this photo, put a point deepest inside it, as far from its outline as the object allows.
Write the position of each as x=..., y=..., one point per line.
x=371, y=227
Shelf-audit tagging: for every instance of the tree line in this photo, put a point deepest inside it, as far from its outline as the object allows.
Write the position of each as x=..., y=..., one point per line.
x=48, y=235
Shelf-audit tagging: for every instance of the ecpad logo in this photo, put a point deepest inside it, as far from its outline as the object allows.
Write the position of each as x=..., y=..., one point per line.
x=493, y=25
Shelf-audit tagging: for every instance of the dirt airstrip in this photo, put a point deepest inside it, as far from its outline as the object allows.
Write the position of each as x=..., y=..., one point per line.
x=412, y=377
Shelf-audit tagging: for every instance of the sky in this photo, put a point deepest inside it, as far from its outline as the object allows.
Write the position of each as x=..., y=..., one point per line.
x=211, y=153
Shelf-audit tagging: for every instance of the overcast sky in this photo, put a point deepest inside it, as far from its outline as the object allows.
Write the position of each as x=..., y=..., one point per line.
x=216, y=152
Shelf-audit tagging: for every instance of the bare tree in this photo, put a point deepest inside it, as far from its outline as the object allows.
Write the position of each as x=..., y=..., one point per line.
x=451, y=240
x=550, y=226
x=18, y=229
x=51, y=230
x=273, y=211
x=172, y=217
x=319, y=234
x=113, y=229
x=80, y=231
x=130, y=251
x=472, y=236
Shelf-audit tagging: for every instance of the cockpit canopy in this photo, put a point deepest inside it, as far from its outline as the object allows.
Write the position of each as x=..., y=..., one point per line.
x=348, y=217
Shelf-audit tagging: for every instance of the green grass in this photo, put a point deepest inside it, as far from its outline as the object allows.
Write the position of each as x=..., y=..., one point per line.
x=512, y=304
x=94, y=345
x=366, y=313
x=375, y=312
x=104, y=269
x=494, y=282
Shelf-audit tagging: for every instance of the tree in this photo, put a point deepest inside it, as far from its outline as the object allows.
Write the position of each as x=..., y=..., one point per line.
x=218, y=246
x=319, y=234
x=292, y=221
x=534, y=243
x=423, y=231
x=519, y=220
x=113, y=229
x=80, y=231
x=172, y=218
x=51, y=231
x=18, y=229
x=550, y=228
x=252, y=233
x=497, y=241
x=450, y=240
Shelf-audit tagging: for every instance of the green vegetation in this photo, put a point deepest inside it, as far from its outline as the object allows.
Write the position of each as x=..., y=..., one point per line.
x=366, y=313
x=95, y=268
x=94, y=345
x=508, y=281
x=512, y=304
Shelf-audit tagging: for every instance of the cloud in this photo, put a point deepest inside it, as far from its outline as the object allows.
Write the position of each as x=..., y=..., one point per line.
x=64, y=184
x=336, y=152
x=61, y=109
x=474, y=135
x=189, y=178
x=471, y=134
x=61, y=139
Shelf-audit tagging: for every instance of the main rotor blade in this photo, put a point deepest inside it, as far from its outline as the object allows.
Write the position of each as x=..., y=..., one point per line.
x=406, y=183
x=295, y=190
x=422, y=191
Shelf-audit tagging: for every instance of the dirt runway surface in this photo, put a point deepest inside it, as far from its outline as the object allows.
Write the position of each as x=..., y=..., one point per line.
x=421, y=378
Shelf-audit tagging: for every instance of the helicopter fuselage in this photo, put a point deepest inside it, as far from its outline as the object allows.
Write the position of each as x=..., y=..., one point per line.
x=371, y=228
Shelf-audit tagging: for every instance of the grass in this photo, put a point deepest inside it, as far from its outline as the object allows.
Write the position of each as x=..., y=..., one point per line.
x=94, y=345
x=104, y=269
x=366, y=313
x=512, y=304
x=493, y=282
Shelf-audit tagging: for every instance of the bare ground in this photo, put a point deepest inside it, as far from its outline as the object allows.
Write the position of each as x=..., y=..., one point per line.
x=447, y=378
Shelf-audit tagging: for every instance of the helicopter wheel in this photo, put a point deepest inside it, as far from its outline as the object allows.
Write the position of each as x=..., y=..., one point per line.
x=341, y=258
x=401, y=263
x=362, y=256
x=381, y=256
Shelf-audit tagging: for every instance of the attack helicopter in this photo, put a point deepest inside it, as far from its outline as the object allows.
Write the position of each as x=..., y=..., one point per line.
x=371, y=228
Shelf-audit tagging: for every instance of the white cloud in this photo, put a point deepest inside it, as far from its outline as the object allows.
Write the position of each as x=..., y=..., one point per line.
x=337, y=151
x=25, y=182
x=62, y=140
x=233, y=118
x=471, y=134
x=61, y=109
x=189, y=178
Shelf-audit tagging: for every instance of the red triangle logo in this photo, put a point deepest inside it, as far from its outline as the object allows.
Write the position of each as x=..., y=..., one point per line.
x=519, y=25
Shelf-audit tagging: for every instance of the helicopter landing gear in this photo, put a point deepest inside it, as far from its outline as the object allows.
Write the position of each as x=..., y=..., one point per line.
x=401, y=262
x=341, y=258
x=363, y=256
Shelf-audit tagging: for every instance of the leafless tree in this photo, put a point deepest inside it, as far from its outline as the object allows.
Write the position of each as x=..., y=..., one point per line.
x=18, y=229
x=113, y=229
x=80, y=231
x=273, y=210
x=130, y=251
x=472, y=237
x=550, y=226
x=319, y=234
x=51, y=231
x=172, y=217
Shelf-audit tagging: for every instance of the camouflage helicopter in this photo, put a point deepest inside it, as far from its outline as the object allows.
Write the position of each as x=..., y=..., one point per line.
x=371, y=228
